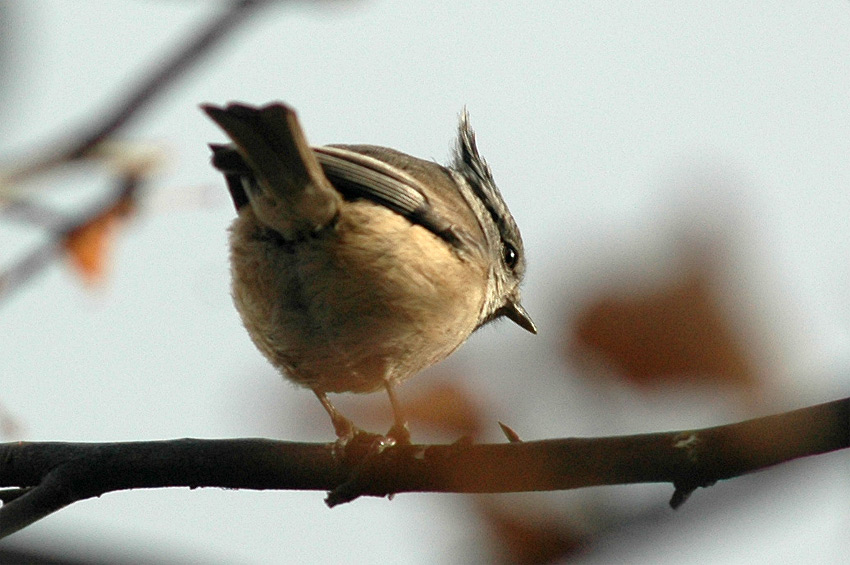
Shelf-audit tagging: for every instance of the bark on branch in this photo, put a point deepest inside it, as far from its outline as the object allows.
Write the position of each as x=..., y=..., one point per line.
x=47, y=476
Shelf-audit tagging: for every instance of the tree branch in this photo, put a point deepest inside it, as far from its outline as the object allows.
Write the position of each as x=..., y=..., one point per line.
x=153, y=84
x=48, y=476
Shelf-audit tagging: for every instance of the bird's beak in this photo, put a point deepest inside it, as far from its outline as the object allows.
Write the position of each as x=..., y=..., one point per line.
x=516, y=313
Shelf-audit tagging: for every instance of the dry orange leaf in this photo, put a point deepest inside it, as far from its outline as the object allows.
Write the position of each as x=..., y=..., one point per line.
x=88, y=245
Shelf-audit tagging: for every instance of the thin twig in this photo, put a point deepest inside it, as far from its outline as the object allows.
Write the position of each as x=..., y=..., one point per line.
x=510, y=433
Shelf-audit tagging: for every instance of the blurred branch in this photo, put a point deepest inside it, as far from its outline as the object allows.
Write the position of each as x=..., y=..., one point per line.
x=45, y=477
x=121, y=198
x=161, y=77
x=130, y=163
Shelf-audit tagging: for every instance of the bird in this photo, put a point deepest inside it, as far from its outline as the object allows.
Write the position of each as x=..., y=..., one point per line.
x=355, y=267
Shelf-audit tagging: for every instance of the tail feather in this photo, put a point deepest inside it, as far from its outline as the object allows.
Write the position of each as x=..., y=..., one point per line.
x=272, y=168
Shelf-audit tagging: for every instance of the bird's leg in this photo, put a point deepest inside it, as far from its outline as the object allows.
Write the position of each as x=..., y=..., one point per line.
x=399, y=432
x=344, y=428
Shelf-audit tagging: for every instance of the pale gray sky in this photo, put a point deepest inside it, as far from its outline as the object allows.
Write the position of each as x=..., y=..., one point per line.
x=612, y=128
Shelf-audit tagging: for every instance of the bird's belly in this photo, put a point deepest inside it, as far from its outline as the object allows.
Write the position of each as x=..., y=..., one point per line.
x=353, y=309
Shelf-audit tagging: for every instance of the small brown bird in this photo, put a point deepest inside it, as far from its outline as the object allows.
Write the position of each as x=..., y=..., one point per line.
x=355, y=266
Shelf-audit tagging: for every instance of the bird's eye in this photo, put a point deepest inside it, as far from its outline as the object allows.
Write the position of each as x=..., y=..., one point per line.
x=510, y=255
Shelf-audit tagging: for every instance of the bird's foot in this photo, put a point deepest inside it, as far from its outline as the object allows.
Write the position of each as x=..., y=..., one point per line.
x=399, y=434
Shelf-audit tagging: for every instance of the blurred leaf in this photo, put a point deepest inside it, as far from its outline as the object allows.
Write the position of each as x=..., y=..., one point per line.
x=530, y=539
x=449, y=408
x=88, y=246
x=10, y=427
x=678, y=332
x=441, y=406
